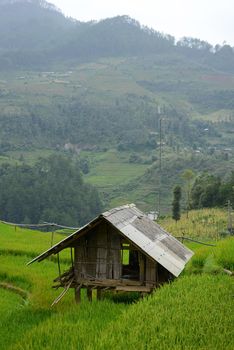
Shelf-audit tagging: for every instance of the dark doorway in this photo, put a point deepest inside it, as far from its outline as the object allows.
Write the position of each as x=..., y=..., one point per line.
x=130, y=265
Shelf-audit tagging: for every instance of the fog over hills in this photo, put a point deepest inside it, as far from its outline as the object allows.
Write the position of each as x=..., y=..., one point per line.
x=35, y=33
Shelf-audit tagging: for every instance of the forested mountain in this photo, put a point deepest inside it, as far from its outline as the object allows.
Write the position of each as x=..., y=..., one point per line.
x=34, y=33
x=29, y=29
x=113, y=85
x=29, y=25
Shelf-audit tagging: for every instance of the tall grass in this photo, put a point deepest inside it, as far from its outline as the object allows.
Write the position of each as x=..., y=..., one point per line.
x=204, y=223
x=37, y=279
x=30, y=242
x=195, y=312
x=213, y=259
x=192, y=313
x=76, y=328
x=224, y=255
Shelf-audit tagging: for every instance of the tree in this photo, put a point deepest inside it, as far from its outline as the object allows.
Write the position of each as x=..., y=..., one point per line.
x=205, y=192
x=188, y=176
x=176, y=203
x=194, y=43
x=51, y=190
x=210, y=191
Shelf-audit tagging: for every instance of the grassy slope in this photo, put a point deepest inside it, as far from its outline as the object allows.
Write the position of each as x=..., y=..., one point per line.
x=33, y=325
x=184, y=315
x=106, y=80
x=17, y=248
x=112, y=168
x=28, y=242
x=143, y=189
x=101, y=83
x=122, y=182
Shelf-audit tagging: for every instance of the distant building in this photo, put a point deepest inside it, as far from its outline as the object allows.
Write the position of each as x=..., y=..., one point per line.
x=153, y=215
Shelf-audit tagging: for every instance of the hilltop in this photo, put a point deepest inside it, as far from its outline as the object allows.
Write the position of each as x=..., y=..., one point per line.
x=40, y=34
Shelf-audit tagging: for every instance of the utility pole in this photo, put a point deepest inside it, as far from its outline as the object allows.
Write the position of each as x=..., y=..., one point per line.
x=160, y=162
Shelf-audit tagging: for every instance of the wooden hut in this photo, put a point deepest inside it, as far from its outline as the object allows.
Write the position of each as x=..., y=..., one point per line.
x=120, y=250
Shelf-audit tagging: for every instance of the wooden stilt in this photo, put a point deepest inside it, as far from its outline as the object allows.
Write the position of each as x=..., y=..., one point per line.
x=99, y=294
x=89, y=294
x=72, y=260
x=78, y=294
x=59, y=268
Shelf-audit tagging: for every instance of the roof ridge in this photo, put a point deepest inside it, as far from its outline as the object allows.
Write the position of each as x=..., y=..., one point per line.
x=114, y=210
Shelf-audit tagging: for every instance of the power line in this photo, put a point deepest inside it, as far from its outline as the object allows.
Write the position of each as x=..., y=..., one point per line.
x=45, y=224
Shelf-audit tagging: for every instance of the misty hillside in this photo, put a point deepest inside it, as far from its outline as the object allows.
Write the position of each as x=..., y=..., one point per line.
x=35, y=33
x=30, y=25
x=146, y=67
x=30, y=28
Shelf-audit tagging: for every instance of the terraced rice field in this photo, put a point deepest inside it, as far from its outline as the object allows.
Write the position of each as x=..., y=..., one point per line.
x=194, y=312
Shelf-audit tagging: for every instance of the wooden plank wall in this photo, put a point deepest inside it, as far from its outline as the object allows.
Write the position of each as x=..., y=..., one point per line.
x=80, y=256
x=98, y=254
x=108, y=252
x=101, y=251
x=150, y=272
x=114, y=252
x=86, y=256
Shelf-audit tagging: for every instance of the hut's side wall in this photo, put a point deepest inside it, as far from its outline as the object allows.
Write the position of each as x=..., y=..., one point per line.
x=156, y=274
x=164, y=275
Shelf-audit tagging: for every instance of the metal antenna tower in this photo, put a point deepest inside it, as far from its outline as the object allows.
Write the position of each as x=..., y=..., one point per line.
x=160, y=161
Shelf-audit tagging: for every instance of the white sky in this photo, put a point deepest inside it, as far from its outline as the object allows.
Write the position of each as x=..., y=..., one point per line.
x=210, y=20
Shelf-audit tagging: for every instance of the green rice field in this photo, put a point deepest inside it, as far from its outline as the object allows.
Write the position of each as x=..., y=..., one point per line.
x=194, y=312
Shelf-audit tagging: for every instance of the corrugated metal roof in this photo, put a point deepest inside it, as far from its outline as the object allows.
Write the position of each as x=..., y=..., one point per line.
x=151, y=238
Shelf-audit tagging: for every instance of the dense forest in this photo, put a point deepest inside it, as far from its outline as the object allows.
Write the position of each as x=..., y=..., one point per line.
x=132, y=124
x=52, y=190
